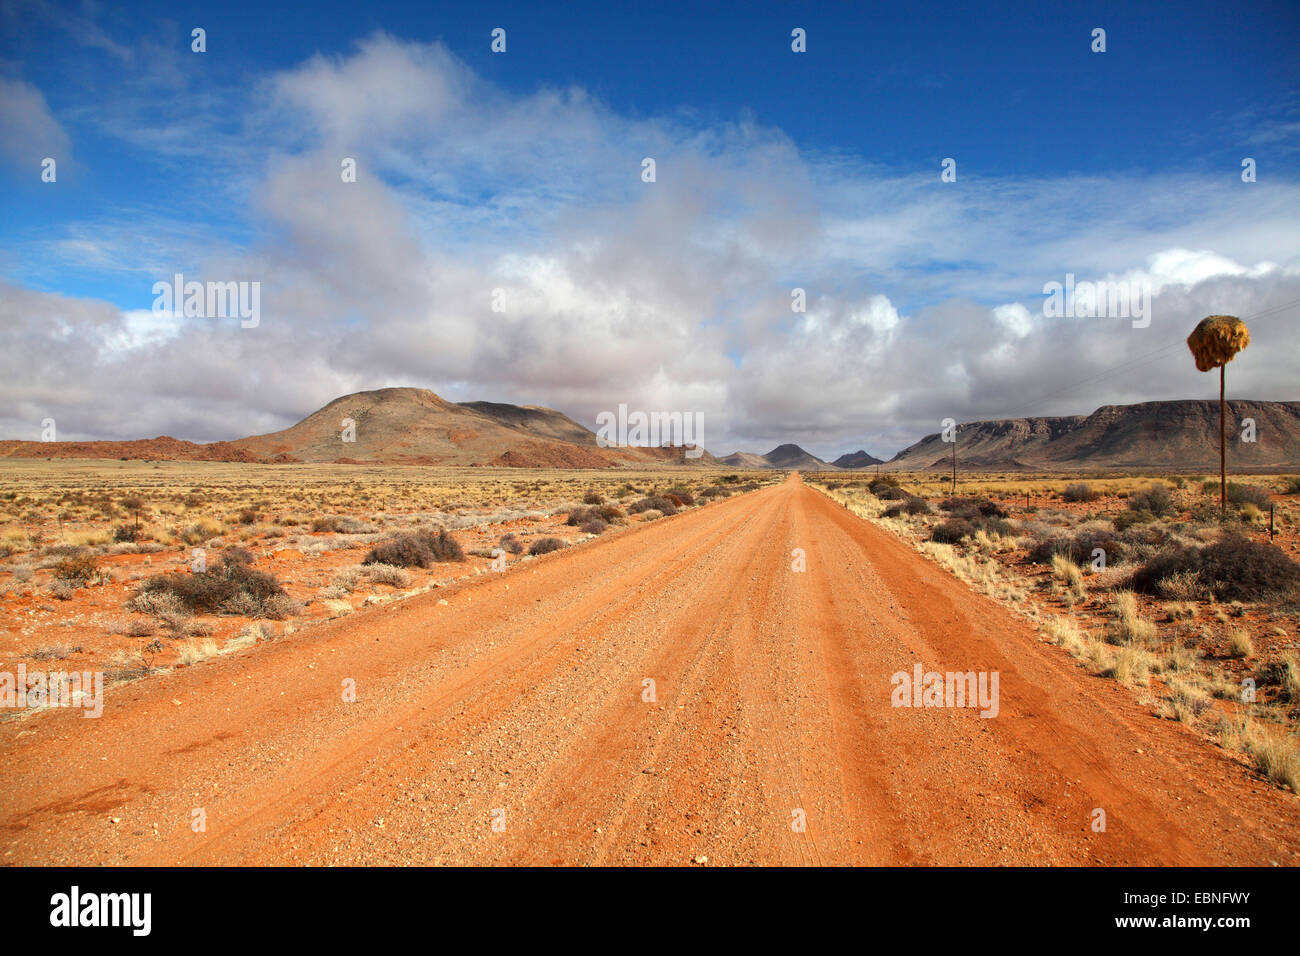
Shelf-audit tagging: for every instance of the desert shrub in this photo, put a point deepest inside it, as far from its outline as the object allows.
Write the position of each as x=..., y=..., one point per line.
x=594, y=526
x=1291, y=486
x=1247, y=495
x=606, y=514
x=971, y=508
x=346, y=579
x=652, y=514
x=388, y=574
x=1079, y=491
x=716, y=491
x=1181, y=586
x=139, y=627
x=237, y=555
x=1148, y=536
x=247, y=516
x=994, y=526
x=327, y=523
x=1079, y=547
x=1232, y=569
x=546, y=546
x=1127, y=519
x=952, y=531
x=888, y=492
x=593, y=498
x=656, y=502
x=1178, y=560
x=232, y=587
x=911, y=505
x=1049, y=547
x=75, y=569
x=1285, y=673
x=681, y=494
x=201, y=531
x=126, y=532
x=1156, y=499
x=161, y=604
x=511, y=544
x=418, y=549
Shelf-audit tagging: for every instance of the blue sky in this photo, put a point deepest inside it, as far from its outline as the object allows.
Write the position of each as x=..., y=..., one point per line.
x=521, y=171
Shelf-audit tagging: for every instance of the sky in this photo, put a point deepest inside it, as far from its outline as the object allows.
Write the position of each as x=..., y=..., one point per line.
x=500, y=241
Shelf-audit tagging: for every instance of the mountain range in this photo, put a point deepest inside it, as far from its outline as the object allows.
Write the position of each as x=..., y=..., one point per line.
x=415, y=426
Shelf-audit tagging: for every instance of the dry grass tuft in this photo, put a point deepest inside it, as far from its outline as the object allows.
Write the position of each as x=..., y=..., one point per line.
x=1129, y=628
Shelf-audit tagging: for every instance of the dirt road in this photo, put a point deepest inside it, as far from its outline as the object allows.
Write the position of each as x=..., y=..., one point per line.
x=512, y=725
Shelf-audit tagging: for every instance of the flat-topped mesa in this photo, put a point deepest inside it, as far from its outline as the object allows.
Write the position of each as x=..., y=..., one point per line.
x=1174, y=435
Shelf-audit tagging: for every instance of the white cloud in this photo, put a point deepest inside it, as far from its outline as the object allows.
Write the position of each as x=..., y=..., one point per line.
x=1015, y=318
x=923, y=298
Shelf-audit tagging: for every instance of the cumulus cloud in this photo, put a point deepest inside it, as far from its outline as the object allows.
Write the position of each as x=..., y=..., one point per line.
x=923, y=299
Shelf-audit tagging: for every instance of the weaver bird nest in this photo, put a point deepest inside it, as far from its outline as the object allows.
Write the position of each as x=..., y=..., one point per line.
x=1216, y=339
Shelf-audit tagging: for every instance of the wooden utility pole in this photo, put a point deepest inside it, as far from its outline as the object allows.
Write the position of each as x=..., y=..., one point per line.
x=1223, y=450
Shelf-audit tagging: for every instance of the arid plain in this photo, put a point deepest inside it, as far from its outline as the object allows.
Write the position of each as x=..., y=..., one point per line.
x=498, y=627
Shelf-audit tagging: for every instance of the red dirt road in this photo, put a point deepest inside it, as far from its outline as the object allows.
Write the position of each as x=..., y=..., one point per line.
x=521, y=702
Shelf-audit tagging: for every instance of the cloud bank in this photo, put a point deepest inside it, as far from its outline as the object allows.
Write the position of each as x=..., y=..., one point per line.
x=923, y=298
